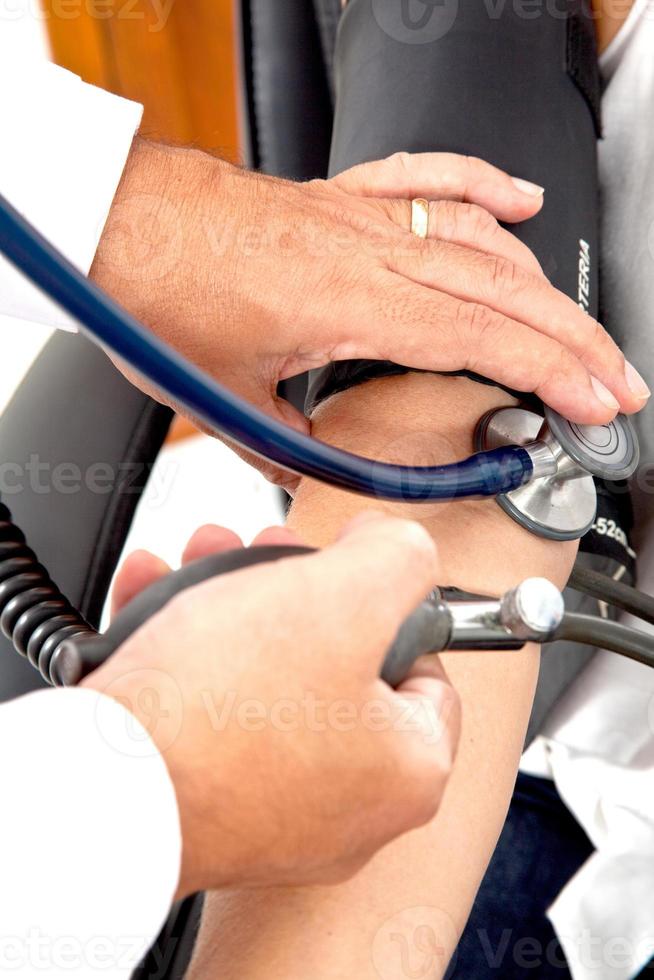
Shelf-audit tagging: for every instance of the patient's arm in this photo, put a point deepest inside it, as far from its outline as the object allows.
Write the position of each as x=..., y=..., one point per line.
x=401, y=916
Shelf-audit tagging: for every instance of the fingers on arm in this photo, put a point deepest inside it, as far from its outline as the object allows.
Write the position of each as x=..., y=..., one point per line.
x=500, y=285
x=371, y=579
x=142, y=569
x=470, y=226
x=444, y=176
x=139, y=571
x=430, y=330
x=209, y=540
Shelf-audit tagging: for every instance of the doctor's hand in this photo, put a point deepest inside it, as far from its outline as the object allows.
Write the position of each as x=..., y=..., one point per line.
x=292, y=761
x=257, y=279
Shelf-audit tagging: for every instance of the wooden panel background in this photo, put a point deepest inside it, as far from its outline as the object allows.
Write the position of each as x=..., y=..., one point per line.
x=176, y=57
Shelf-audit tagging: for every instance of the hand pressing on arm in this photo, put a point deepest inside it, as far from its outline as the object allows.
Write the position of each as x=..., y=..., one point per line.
x=257, y=279
x=293, y=763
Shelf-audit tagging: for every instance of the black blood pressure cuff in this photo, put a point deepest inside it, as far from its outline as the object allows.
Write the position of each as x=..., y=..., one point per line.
x=520, y=89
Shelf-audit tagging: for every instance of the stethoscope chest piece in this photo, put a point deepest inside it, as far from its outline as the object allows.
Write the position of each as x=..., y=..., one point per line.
x=560, y=500
x=607, y=451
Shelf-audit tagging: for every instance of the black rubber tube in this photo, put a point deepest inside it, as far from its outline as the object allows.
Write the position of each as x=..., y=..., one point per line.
x=607, y=635
x=615, y=593
x=427, y=630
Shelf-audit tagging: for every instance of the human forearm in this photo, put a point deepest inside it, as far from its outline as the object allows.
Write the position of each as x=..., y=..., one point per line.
x=424, y=419
x=336, y=933
x=154, y=253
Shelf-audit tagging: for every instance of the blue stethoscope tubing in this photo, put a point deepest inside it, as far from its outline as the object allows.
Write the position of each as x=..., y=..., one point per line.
x=485, y=474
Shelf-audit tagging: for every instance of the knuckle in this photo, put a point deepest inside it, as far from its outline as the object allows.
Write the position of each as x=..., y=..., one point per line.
x=504, y=275
x=414, y=542
x=400, y=213
x=399, y=162
x=421, y=550
x=474, y=163
x=560, y=364
x=320, y=186
x=445, y=220
x=481, y=320
x=486, y=336
x=481, y=224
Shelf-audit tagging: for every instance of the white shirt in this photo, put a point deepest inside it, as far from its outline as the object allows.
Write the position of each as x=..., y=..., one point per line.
x=599, y=743
x=90, y=840
x=64, y=147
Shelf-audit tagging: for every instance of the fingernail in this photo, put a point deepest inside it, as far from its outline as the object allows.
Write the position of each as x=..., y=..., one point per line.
x=526, y=187
x=635, y=382
x=604, y=394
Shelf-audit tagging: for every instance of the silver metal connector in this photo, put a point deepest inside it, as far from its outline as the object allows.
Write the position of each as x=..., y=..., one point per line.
x=530, y=613
x=534, y=610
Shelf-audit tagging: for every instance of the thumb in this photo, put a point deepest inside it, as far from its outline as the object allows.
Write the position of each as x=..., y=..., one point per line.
x=369, y=580
x=140, y=570
x=426, y=723
x=437, y=709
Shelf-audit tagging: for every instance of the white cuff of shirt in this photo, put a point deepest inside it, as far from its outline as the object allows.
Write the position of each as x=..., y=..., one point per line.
x=90, y=840
x=64, y=148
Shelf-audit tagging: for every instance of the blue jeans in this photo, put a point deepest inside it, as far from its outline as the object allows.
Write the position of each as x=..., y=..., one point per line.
x=540, y=849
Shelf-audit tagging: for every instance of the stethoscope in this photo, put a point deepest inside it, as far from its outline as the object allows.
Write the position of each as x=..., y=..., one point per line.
x=540, y=470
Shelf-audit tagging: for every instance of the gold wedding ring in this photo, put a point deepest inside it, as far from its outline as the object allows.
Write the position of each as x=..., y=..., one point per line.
x=420, y=217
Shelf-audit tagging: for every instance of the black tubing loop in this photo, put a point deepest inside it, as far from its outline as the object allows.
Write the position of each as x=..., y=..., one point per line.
x=9, y=532
x=34, y=617
x=54, y=641
x=34, y=614
x=43, y=632
x=20, y=604
x=16, y=558
x=13, y=587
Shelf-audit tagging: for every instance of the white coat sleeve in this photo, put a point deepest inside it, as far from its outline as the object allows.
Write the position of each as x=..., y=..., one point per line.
x=90, y=840
x=64, y=148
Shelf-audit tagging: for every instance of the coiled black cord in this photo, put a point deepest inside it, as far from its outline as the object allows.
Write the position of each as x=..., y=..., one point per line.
x=44, y=627
x=34, y=614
